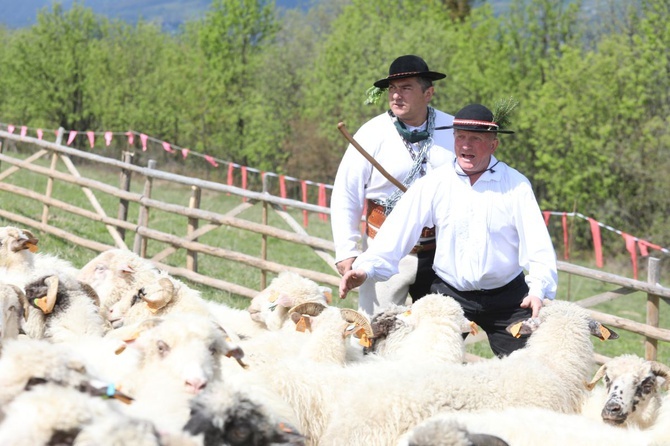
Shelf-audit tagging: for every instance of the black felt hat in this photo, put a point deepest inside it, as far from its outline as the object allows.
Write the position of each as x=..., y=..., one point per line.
x=475, y=118
x=408, y=66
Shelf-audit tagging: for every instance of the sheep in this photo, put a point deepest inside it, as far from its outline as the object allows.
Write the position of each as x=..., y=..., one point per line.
x=633, y=391
x=159, y=297
x=62, y=309
x=179, y=357
x=228, y=415
x=430, y=327
x=50, y=413
x=447, y=432
x=12, y=304
x=19, y=261
x=116, y=273
x=529, y=426
x=270, y=307
x=549, y=372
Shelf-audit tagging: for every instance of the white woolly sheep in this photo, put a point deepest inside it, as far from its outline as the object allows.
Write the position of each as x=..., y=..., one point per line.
x=179, y=356
x=633, y=391
x=116, y=273
x=49, y=413
x=530, y=426
x=62, y=309
x=549, y=372
x=270, y=306
x=159, y=297
x=20, y=263
x=12, y=304
x=430, y=328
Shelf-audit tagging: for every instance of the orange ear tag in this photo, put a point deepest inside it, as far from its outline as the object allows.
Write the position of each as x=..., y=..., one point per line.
x=32, y=247
x=473, y=329
x=301, y=325
x=365, y=341
x=407, y=313
x=515, y=330
x=274, y=294
x=605, y=332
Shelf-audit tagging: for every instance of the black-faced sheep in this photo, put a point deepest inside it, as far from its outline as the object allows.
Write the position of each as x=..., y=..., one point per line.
x=633, y=391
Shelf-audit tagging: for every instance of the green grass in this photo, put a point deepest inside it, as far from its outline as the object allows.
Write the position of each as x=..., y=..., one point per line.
x=570, y=287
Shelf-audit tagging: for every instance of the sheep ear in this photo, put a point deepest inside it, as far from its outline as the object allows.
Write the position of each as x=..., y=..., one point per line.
x=327, y=293
x=158, y=298
x=601, y=332
x=598, y=375
x=31, y=242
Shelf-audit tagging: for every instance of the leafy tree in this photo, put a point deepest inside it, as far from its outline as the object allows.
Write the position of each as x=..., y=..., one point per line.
x=47, y=68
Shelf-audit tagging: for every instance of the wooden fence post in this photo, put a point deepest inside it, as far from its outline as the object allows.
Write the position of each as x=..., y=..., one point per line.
x=653, y=277
x=140, y=245
x=124, y=184
x=194, y=203
x=50, y=180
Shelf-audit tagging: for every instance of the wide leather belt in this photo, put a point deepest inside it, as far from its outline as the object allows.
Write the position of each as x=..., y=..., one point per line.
x=375, y=218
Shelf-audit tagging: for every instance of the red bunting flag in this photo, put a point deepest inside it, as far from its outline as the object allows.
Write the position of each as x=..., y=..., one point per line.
x=166, y=146
x=144, y=138
x=10, y=128
x=597, y=242
x=303, y=185
x=184, y=152
x=71, y=136
x=566, y=247
x=282, y=187
x=91, y=138
x=643, y=244
x=243, y=169
x=131, y=138
x=108, y=138
x=211, y=161
x=322, y=200
x=40, y=134
x=24, y=130
x=631, y=248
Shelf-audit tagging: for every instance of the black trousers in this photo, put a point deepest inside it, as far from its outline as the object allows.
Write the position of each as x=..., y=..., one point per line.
x=425, y=276
x=493, y=311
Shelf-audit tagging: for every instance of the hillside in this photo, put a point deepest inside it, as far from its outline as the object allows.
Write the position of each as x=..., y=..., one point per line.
x=171, y=13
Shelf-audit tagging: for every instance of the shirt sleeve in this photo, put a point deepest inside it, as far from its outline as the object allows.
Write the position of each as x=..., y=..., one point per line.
x=398, y=234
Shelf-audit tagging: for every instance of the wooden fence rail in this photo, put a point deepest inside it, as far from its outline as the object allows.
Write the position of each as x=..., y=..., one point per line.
x=202, y=221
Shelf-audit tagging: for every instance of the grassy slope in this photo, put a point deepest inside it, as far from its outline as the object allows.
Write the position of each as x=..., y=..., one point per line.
x=571, y=288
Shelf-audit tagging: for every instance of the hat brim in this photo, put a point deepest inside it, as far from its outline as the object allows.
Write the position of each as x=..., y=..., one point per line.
x=473, y=129
x=432, y=75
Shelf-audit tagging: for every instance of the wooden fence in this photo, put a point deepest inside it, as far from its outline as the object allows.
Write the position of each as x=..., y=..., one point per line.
x=201, y=221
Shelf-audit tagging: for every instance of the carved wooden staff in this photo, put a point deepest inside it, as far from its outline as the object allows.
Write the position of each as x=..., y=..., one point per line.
x=342, y=128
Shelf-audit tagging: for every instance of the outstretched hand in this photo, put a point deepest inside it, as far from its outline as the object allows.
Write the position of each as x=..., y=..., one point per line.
x=351, y=280
x=532, y=302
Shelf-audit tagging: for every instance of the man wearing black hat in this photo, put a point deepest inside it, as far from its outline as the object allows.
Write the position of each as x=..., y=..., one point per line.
x=489, y=230
x=404, y=143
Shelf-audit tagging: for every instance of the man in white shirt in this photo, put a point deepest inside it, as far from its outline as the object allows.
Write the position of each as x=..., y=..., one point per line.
x=489, y=229
x=404, y=142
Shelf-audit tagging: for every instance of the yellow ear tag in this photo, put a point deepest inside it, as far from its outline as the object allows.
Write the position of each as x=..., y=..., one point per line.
x=365, y=341
x=274, y=294
x=41, y=303
x=407, y=313
x=120, y=350
x=605, y=332
x=301, y=325
x=32, y=247
x=329, y=297
x=473, y=328
x=516, y=329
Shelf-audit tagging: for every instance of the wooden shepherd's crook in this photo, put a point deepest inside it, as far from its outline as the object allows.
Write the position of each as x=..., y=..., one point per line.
x=342, y=128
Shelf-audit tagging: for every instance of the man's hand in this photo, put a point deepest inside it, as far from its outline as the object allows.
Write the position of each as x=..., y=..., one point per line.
x=344, y=265
x=532, y=302
x=351, y=280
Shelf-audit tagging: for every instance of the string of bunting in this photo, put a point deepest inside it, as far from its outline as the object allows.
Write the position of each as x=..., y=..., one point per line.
x=632, y=244
x=144, y=139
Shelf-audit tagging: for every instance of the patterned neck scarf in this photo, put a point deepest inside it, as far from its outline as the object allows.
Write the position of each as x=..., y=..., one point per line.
x=425, y=143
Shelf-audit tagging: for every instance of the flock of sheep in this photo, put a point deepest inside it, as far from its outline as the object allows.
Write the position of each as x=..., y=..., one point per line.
x=121, y=353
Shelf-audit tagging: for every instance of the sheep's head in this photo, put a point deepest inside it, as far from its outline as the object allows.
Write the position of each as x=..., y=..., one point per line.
x=182, y=348
x=13, y=305
x=632, y=384
x=149, y=300
x=16, y=246
x=530, y=325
